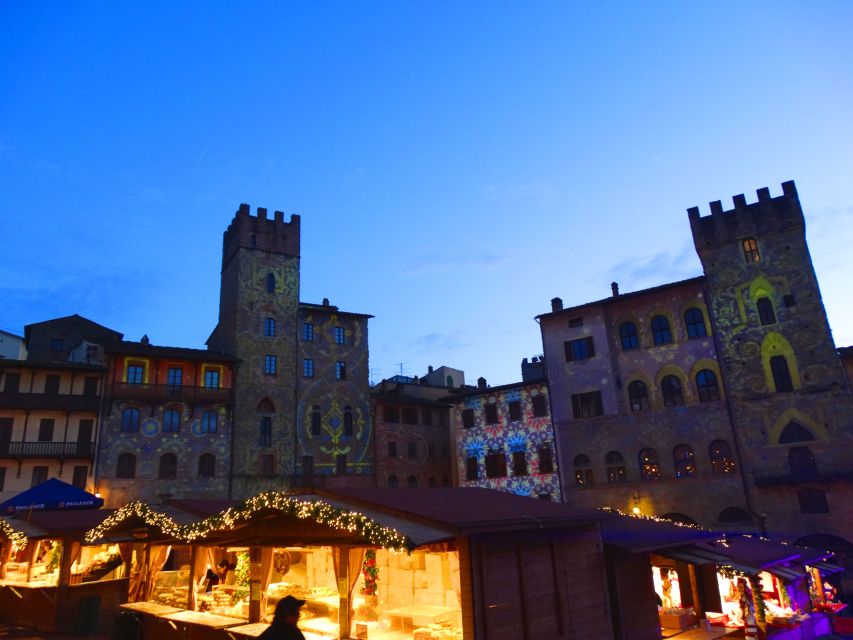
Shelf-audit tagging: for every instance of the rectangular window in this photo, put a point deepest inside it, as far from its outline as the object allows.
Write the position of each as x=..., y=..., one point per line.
x=392, y=414
x=392, y=449
x=51, y=385
x=575, y=322
x=46, y=430
x=135, y=373
x=341, y=464
x=308, y=332
x=781, y=374
x=580, y=349
x=39, y=476
x=426, y=417
x=412, y=450
x=467, y=418
x=546, y=461
x=587, y=405
x=269, y=327
x=340, y=335
x=789, y=300
x=267, y=464
x=491, y=413
x=340, y=370
x=472, y=469
x=515, y=410
x=81, y=473
x=308, y=368
x=410, y=416
x=540, y=406
x=495, y=464
x=519, y=463
x=12, y=383
x=266, y=431
x=175, y=377
x=270, y=364
x=90, y=386
x=2, y=478
x=211, y=378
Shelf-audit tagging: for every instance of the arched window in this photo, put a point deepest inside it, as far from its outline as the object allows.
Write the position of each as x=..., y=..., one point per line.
x=781, y=374
x=615, y=467
x=130, y=420
x=271, y=283
x=628, y=335
x=671, y=389
x=209, y=422
x=583, y=470
x=393, y=482
x=722, y=460
x=706, y=385
x=685, y=461
x=795, y=432
x=750, y=250
x=168, y=467
x=638, y=396
x=315, y=420
x=812, y=501
x=694, y=320
x=412, y=482
x=802, y=463
x=126, y=466
x=266, y=431
x=660, y=330
x=206, y=465
x=266, y=406
x=734, y=515
x=171, y=421
x=766, y=314
x=649, y=466
x=347, y=420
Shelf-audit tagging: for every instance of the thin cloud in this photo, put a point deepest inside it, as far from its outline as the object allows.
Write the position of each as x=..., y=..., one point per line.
x=531, y=194
x=659, y=268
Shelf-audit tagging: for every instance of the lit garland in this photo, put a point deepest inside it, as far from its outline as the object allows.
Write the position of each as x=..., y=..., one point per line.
x=316, y=510
x=141, y=510
x=616, y=511
x=17, y=538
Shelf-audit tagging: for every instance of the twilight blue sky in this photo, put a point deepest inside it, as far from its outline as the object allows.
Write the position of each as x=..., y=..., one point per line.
x=455, y=164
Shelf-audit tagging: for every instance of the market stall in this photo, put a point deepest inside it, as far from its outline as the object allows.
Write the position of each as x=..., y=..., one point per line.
x=383, y=565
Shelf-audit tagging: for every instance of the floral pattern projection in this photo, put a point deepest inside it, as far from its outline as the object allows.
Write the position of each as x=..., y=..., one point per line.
x=530, y=435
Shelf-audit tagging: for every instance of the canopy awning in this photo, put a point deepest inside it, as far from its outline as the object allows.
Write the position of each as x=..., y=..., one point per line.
x=51, y=495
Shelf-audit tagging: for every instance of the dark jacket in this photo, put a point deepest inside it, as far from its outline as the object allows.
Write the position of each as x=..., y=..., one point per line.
x=281, y=631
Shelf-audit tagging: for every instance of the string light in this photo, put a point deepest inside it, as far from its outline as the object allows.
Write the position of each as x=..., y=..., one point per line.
x=636, y=516
x=17, y=538
x=136, y=509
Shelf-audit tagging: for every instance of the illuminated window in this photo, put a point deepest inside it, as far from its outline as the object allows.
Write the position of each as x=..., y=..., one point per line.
x=126, y=466
x=171, y=421
x=209, y=422
x=206, y=465
x=694, y=320
x=706, y=385
x=671, y=390
x=685, y=461
x=722, y=460
x=308, y=368
x=583, y=471
x=638, y=396
x=649, y=466
x=766, y=315
x=168, y=467
x=660, y=330
x=628, y=335
x=615, y=467
x=750, y=250
x=270, y=364
x=781, y=374
x=130, y=420
x=340, y=370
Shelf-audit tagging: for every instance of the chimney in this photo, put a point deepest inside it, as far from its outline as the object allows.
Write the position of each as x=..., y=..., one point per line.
x=614, y=288
x=481, y=383
x=429, y=369
x=325, y=302
x=145, y=339
x=556, y=304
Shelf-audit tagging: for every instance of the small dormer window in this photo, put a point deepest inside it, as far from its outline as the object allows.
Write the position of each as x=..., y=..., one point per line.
x=750, y=250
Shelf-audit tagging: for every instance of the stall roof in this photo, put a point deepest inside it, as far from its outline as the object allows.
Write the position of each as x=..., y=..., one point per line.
x=69, y=523
x=637, y=534
x=468, y=508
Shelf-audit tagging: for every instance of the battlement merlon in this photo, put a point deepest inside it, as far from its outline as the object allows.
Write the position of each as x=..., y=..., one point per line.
x=766, y=215
x=261, y=233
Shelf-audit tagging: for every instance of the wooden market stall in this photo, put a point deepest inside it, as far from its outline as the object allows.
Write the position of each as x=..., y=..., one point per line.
x=435, y=564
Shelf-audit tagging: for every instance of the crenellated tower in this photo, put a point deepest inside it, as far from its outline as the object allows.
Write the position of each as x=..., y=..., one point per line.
x=258, y=317
x=786, y=392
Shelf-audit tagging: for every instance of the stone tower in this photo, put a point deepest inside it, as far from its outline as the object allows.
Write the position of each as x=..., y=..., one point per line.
x=258, y=318
x=786, y=393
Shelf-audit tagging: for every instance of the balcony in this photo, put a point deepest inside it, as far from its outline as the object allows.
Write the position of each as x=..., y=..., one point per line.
x=46, y=449
x=167, y=392
x=48, y=401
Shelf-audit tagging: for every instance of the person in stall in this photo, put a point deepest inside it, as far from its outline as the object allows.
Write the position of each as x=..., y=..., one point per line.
x=284, y=621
